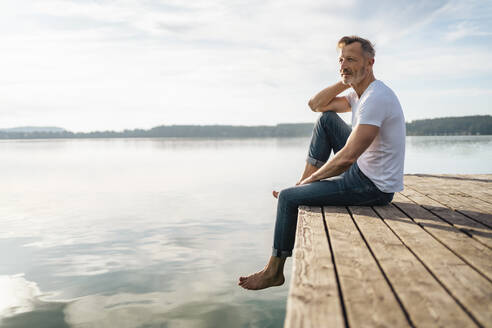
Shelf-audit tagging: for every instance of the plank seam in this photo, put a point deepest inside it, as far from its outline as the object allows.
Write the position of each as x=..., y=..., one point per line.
x=482, y=223
x=409, y=197
x=407, y=316
x=483, y=200
x=463, y=230
x=485, y=224
x=340, y=294
x=429, y=270
x=442, y=243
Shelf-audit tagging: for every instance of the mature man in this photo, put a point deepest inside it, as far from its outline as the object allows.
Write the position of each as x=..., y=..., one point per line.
x=367, y=168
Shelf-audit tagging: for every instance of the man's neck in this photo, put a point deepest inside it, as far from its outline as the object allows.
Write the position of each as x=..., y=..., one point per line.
x=362, y=85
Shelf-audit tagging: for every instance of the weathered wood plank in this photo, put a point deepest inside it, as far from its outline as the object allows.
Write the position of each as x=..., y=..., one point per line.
x=463, y=207
x=313, y=296
x=470, y=250
x=481, y=185
x=456, y=204
x=473, y=202
x=369, y=301
x=477, y=230
x=467, y=192
x=425, y=300
x=467, y=286
x=479, y=177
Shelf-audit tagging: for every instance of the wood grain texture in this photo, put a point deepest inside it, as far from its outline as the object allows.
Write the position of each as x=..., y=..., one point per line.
x=425, y=300
x=432, y=269
x=470, y=250
x=313, y=296
x=477, y=230
x=463, y=207
x=368, y=298
x=466, y=285
x=457, y=194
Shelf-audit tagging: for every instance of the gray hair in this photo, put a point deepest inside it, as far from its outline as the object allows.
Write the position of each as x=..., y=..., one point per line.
x=366, y=45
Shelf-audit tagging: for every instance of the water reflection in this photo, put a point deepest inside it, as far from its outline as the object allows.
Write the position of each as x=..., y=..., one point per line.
x=439, y=141
x=21, y=305
x=18, y=295
x=154, y=233
x=448, y=154
x=157, y=310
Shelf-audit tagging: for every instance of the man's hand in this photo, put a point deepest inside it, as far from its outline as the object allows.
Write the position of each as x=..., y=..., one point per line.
x=309, y=179
x=298, y=183
x=359, y=140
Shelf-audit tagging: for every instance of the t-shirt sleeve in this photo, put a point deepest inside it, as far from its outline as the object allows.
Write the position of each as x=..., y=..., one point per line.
x=351, y=98
x=373, y=112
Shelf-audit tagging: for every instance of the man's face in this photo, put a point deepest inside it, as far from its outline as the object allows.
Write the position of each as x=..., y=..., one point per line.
x=354, y=66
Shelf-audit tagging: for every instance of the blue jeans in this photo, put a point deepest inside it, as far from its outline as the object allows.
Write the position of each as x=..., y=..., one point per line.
x=350, y=188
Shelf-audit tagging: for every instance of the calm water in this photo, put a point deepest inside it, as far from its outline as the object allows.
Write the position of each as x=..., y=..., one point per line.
x=155, y=232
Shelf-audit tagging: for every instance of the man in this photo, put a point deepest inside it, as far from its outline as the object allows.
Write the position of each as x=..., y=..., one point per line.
x=367, y=168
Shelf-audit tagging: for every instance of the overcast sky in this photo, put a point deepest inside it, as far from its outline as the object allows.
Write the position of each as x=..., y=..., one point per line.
x=114, y=64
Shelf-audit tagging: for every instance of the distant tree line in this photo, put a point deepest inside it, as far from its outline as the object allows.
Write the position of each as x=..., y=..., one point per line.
x=466, y=125
x=178, y=131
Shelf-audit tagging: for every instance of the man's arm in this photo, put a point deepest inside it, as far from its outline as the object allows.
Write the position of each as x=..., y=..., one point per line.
x=327, y=100
x=359, y=140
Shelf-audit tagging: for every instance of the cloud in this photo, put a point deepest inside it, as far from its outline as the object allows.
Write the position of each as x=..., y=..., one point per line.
x=436, y=63
x=463, y=30
x=128, y=64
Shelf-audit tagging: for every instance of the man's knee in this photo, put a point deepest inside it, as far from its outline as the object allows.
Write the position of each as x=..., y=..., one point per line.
x=327, y=117
x=285, y=194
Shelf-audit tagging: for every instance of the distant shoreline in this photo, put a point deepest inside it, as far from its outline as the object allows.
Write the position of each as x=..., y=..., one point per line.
x=446, y=126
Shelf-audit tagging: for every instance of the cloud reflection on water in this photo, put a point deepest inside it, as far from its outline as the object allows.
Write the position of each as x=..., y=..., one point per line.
x=156, y=232
x=17, y=295
x=160, y=310
x=183, y=306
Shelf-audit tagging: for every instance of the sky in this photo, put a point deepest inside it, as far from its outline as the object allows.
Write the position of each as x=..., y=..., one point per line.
x=119, y=64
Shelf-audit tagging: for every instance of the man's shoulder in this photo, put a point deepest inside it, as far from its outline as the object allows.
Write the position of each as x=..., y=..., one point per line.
x=380, y=92
x=379, y=88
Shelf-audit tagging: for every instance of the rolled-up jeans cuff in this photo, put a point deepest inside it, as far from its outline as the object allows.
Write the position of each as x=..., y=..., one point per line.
x=281, y=254
x=314, y=161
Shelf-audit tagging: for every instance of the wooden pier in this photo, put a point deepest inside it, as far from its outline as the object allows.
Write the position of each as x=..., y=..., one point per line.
x=425, y=260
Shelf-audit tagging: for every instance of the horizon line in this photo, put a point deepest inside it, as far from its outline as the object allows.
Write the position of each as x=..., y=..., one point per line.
x=215, y=125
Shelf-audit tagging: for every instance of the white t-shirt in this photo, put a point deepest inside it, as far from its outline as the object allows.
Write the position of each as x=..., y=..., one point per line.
x=383, y=161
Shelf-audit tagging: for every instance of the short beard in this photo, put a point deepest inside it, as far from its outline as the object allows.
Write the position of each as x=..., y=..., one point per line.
x=361, y=74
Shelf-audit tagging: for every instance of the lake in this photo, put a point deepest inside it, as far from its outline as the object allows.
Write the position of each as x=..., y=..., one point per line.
x=156, y=232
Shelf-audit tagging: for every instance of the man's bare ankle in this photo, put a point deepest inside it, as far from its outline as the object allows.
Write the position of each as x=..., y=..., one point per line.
x=273, y=272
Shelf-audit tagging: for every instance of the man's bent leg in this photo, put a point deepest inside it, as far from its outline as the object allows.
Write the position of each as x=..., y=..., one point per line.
x=352, y=188
x=288, y=203
x=330, y=133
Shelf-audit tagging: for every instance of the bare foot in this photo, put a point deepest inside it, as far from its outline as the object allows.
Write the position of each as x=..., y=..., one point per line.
x=261, y=280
